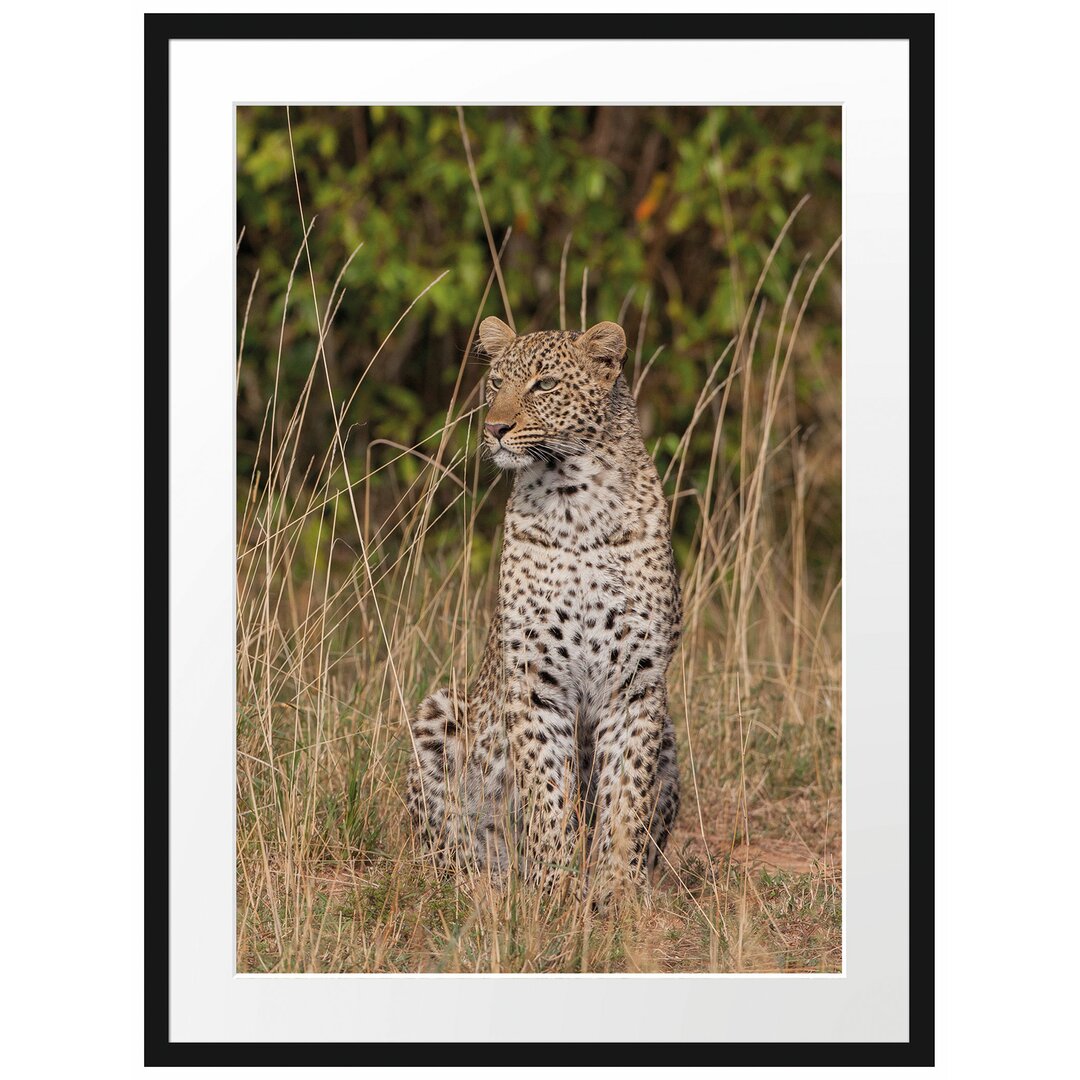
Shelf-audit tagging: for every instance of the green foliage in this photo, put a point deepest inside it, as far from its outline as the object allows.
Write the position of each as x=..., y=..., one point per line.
x=672, y=210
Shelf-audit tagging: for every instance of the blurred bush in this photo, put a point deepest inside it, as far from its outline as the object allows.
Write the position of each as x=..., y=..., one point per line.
x=671, y=209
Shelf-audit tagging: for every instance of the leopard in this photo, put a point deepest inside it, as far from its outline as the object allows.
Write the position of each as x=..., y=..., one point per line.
x=561, y=756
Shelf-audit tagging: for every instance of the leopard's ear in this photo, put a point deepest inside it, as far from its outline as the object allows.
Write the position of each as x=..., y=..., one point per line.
x=494, y=336
x=605, y=345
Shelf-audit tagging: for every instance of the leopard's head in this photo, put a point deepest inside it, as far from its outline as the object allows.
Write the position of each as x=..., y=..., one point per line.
x=548, y=393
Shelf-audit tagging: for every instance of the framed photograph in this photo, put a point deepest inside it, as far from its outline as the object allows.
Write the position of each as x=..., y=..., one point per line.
x=539, y=528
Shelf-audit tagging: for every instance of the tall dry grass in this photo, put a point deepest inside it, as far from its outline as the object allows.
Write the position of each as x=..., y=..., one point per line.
x=348, y=613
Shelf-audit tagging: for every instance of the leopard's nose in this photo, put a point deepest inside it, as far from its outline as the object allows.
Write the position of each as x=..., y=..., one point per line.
x=498, y=430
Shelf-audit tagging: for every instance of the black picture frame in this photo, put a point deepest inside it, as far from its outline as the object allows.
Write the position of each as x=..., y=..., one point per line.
x=918, y=31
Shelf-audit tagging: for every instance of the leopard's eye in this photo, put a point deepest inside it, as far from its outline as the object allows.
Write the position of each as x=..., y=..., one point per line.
x=546, y=384
x=494, y=383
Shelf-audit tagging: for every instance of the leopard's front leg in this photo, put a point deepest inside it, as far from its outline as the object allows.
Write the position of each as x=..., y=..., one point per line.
x=543, y=746
x=628, y=744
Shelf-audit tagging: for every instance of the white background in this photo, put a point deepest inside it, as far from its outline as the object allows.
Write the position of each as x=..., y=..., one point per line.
x=1007, y=385
x=208, y=1003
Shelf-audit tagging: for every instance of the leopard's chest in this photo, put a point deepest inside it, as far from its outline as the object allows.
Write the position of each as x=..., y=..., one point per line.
x=574, y=616
x=564, y=590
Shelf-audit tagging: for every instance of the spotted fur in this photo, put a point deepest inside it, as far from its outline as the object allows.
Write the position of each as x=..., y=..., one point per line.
x=564, y=746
